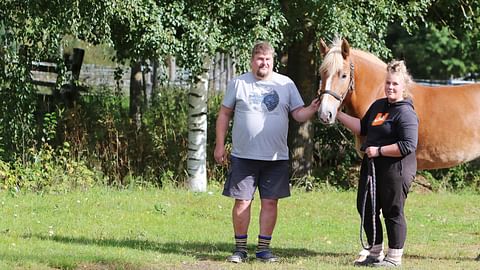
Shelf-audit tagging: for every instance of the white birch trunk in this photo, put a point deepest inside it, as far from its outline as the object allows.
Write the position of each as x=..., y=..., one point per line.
x=197, y=132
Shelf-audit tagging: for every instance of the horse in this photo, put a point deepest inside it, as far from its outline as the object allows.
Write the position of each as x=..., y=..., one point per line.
x=449, y=116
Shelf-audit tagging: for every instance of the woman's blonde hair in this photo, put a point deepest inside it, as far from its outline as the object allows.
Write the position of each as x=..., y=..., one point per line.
x=399, y=67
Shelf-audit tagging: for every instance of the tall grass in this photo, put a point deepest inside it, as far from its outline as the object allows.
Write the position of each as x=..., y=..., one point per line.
x=145, y=228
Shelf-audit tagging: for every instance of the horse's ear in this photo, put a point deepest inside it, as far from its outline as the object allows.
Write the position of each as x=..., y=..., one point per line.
x=323, y=48
x=345, y=48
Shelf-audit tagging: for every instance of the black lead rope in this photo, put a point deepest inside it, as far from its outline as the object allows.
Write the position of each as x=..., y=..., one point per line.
x=371, y=187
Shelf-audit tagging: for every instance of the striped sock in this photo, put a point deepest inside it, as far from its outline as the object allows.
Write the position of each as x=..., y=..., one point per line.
x=395, y=255
x=377, y=251
x=241, y=243
x=263, y=243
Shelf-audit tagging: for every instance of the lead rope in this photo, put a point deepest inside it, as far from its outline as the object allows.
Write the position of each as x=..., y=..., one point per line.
x=371, y=183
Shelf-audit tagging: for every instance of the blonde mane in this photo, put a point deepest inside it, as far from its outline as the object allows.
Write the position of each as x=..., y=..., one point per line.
x=333, y=60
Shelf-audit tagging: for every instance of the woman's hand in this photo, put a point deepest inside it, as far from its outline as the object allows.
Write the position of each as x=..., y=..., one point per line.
x=373, y=151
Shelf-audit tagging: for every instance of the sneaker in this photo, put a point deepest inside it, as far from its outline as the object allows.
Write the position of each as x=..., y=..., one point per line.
x=266, y=256
x=387, y=263
x=367, y=261
x=238, y=257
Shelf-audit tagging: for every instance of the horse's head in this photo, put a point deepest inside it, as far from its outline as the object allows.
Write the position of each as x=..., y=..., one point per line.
x=337, y=77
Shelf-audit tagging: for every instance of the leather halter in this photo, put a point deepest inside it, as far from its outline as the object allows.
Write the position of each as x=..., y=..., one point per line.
x=351, y=87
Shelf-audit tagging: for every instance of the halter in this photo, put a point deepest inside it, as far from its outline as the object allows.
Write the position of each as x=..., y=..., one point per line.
x=351, y=87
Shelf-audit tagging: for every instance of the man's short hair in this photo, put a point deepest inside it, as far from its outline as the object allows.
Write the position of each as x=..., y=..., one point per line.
x=262, y=47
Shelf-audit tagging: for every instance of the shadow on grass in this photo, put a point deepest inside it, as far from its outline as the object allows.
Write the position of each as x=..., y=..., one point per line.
x=453, y=258
x=200, y=250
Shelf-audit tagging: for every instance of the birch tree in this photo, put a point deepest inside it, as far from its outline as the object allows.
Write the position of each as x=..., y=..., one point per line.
x=197, y=130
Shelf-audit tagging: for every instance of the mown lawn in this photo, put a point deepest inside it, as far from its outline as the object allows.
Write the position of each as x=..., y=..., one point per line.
x=176, y=229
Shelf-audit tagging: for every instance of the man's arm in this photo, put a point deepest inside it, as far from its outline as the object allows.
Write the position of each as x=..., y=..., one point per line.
x=303, y=114
x=221, y=129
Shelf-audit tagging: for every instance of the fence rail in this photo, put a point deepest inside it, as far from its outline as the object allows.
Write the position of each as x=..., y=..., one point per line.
x=222, y=71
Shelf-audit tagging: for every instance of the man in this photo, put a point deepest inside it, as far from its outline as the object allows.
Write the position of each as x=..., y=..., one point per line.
x=261, y=100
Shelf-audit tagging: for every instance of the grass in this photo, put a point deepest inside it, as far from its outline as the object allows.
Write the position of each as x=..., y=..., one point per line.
x=176, y=229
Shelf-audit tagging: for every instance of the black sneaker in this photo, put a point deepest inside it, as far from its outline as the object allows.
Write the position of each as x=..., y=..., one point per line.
x=368, y=261
x=238, y=257
x=266, y=256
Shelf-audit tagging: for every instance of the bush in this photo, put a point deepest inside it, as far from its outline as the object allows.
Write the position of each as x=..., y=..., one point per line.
x=462, y=177
x=48, y=171
x=336, y=160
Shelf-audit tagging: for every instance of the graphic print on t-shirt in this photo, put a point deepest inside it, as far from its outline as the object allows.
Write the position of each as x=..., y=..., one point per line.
x=271, y=100
x=264, y=99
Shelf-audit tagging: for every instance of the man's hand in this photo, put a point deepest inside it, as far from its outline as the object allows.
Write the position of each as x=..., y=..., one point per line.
x=220, y=155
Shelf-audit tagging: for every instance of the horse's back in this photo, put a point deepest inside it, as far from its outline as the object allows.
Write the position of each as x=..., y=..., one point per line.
x=449, y=129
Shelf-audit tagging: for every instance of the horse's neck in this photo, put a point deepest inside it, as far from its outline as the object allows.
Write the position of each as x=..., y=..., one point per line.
x=369, y=84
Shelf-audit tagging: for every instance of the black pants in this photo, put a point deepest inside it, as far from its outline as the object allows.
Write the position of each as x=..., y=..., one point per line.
x=392, y=183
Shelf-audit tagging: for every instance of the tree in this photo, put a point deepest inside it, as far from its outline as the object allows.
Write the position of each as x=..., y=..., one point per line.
x=446, y=43
x=363, y=23
x=34, y=31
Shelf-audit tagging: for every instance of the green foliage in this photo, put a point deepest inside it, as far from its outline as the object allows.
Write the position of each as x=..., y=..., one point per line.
x=462, y=177
x=442, y=56
x=49, y=171
x=34, y=31
x=336, y=161
x=166, y=134
x=446, y=43
x=98, y=128
x=363, y=23
x=17, y=99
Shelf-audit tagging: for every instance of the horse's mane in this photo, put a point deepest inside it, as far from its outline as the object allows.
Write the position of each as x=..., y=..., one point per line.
x=333, y=60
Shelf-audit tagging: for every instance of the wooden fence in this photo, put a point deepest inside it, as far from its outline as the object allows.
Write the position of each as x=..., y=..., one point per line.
x=222, y=70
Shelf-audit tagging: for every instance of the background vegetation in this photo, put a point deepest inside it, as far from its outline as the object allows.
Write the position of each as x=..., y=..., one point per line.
x=105, y=138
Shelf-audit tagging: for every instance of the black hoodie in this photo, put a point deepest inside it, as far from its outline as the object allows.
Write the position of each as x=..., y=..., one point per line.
x=387, y=123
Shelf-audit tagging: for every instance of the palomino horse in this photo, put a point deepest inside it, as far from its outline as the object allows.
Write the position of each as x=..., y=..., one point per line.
x=449, y=116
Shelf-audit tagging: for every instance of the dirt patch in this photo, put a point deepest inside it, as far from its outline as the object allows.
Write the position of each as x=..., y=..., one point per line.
x=421, y=185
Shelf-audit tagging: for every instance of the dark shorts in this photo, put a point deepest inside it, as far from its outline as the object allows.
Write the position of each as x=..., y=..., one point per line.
x=245, y=175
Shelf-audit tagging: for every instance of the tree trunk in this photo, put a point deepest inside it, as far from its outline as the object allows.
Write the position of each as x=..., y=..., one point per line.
x=136, y=92
x=147, y=83
x=197, y=131
x=172, y=70
x=301, y=69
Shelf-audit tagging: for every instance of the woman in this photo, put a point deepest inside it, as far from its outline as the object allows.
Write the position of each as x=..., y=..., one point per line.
x=391, y=130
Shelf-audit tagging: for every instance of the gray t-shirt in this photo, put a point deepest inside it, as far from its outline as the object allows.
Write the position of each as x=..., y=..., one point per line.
x=260, y=121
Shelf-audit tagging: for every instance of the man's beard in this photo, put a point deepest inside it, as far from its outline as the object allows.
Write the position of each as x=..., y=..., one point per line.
x=261, y=73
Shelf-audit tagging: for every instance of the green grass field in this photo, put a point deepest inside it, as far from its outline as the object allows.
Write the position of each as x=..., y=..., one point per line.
x=176, y=229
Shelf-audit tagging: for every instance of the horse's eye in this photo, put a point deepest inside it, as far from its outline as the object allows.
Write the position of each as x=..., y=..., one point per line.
x=344, y=76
